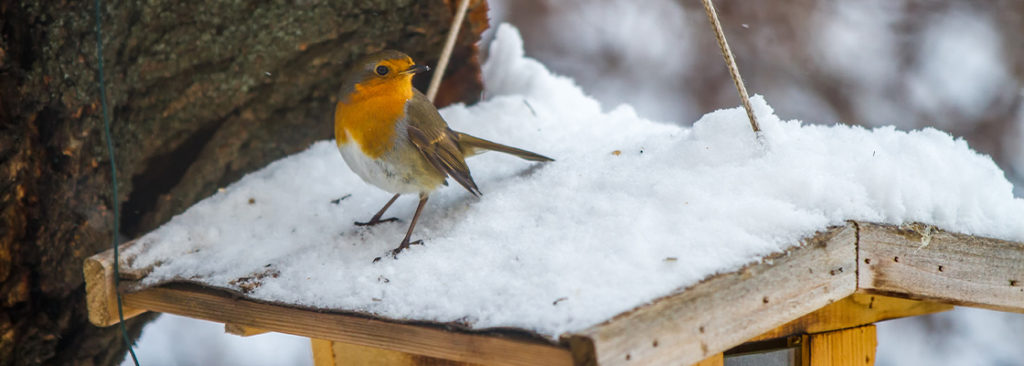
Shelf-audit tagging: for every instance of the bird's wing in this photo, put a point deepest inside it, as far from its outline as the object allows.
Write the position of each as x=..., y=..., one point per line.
x=436, y=142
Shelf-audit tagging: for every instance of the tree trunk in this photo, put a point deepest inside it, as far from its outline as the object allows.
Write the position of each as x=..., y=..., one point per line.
x=200, y=93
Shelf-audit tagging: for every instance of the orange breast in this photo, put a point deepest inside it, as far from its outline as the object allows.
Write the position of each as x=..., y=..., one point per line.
x=369, y=115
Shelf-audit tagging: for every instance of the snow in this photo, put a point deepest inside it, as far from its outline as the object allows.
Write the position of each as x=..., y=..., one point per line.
x=558, y=247
x=176, y=340
x=617, y=43
x=964, y=336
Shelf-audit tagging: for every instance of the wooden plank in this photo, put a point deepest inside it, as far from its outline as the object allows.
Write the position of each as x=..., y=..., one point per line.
x=100, y=290
x=355, y=355
x=716, y=360
x=847, y=347
x=853, y=311
x=805, y=351
x=330, y=353
x=921, y=262
x=728, y=309
x=433, y=341
x=242, y=331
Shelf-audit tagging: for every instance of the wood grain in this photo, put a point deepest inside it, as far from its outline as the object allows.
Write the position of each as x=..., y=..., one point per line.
x=853, y=311
x=330, y=353
x=100, y=290
x=432, y=341
x=728, y=309
x=847, y=347
x=921, y=262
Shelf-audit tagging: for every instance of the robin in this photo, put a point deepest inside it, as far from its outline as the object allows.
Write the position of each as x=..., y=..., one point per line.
x=392, y=136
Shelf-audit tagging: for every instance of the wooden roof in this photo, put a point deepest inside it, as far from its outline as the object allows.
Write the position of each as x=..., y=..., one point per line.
x=842, y=277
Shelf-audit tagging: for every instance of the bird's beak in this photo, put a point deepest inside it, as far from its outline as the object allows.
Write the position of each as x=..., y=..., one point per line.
x=415, y=69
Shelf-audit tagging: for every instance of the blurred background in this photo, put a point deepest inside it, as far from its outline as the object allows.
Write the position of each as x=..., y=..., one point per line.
x=954, y=65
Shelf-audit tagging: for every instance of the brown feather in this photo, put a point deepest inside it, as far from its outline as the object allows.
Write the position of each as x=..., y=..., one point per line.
x=471, y=145
x=447, y=150
x=438, y=144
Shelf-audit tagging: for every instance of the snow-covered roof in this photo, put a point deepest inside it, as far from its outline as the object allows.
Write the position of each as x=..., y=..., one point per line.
x=632, y=210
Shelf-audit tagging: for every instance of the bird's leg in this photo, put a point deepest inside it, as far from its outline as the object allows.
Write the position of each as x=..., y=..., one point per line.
x=405, y=242
x=376, y=218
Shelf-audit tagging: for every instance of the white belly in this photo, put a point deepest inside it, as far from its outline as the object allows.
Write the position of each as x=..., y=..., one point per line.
x=380, y=173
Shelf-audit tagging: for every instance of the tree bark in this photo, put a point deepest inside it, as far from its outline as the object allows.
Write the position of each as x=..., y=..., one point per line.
x=200, y=93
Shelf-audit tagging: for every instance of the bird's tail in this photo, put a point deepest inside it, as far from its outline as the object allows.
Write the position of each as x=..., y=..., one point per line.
x=472, y=145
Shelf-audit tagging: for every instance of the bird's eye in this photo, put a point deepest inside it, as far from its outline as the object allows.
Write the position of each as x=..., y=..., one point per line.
x=382, y=70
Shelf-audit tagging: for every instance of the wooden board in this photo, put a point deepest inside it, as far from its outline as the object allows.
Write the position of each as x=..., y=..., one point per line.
x=715, y=360
x=847, y=347
x=100, y=291
x=853, y=311
x=432, y=341
x=330, y=353
x=921, y=262
x=728, y=309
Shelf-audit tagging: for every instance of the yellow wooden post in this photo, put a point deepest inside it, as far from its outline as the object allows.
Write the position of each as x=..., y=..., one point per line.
x=323, y=355
x=846, y=347
x=329, y=353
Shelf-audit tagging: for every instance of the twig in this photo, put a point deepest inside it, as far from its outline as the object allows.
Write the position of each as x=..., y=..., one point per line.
x=730, y=62
x=449, y=44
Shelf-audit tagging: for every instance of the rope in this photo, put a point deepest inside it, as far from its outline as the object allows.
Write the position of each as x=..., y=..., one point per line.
x=113, y=177
x=730, y=62
x=446, y=52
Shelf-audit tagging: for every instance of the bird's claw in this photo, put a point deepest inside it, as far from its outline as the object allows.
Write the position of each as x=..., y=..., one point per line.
x=405, y=245
x=375, y=221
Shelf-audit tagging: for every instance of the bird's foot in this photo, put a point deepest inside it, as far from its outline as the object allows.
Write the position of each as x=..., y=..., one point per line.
x=405, y=245
x=375, y=221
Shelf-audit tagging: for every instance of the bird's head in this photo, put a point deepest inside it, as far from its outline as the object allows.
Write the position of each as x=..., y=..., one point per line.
x=381, y=72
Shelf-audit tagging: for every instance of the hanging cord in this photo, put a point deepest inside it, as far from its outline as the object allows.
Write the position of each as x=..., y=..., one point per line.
x=446, y=52
x=730, y=62
x=113, y=178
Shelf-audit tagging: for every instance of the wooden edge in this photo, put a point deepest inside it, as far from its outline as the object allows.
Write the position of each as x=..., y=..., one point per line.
x=804, y=342
x=716, y=360
x=853, y=311
x=432, y=341
x=101, y=292
x=323, y=353
x=918, y=261
x=242, y=331
x=582, y=350
x=728, y=309
x=339, y=353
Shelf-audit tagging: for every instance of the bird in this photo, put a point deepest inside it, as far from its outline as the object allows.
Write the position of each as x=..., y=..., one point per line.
x=393, y=137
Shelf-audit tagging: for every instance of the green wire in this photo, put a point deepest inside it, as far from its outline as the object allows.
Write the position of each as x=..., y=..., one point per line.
x=113, y=178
